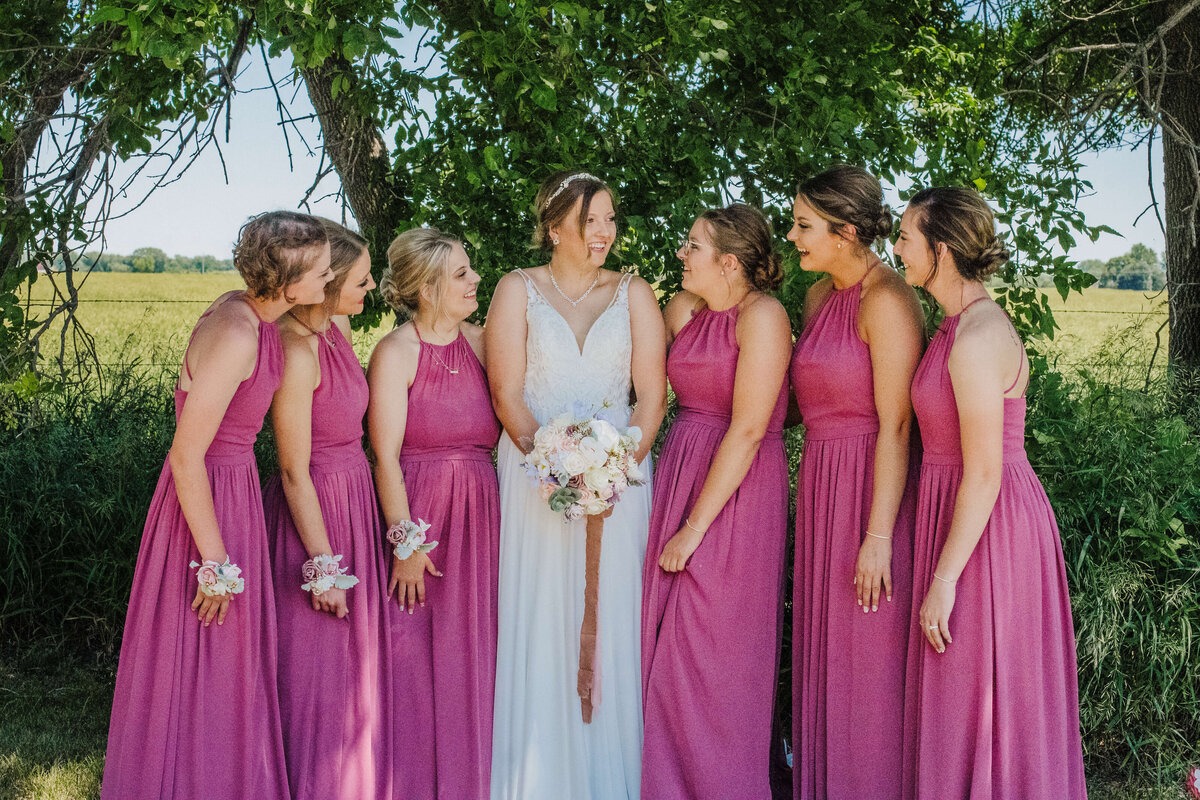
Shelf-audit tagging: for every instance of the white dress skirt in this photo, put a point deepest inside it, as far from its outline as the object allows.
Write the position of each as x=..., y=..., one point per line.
x=541, y=748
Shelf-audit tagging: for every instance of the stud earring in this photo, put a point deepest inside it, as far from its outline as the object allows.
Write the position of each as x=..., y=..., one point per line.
x=839, y=245
x=722, y=272
x=555, y=241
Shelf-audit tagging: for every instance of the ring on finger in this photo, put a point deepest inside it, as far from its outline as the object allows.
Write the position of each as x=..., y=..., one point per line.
x=933, y=627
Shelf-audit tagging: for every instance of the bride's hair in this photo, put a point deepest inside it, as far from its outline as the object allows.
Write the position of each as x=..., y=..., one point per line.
x=416, y=259
x=742, y=231
x=556, y=197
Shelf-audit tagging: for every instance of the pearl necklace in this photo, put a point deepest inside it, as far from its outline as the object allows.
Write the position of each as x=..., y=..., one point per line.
x=563, y=295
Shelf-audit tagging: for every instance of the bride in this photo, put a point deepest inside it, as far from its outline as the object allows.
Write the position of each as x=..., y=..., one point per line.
x=570, y=336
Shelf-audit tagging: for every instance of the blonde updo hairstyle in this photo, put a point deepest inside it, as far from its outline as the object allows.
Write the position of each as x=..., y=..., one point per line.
x=742, y=231
x=960, y=218
x=275, y=249
x=417, y=259
x=556, y=197
x=345, y=248
x=844, y=195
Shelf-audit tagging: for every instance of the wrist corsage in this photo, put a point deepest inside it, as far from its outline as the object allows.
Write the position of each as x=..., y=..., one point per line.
x=407, y=537
x=218, y=580
x=323, y=573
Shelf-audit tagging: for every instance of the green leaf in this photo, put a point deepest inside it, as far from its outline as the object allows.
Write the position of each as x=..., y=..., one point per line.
x=545, y=97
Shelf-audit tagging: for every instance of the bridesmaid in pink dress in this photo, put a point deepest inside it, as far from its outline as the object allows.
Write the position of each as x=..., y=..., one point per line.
x=992, y=701
x=713, y=577
x=433, y=430
x=321, y=512
x=855, y=496
x=196, y=710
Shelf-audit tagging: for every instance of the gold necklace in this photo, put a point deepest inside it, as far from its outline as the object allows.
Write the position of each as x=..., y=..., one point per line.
x=433, y=351
x=322, y=335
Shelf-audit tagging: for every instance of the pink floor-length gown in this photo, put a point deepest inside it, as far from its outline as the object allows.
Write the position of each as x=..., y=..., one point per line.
x=710, y=633
x=847, y=666
x=443, y=661
x=196, y=710
x=332, y=699
x=996, y=716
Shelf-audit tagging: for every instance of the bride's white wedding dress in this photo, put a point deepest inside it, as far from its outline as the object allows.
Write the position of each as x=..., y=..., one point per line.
x=541, y=748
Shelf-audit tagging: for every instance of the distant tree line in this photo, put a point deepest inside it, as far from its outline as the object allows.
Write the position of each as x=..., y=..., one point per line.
x=150, y=259
x=1140, y=269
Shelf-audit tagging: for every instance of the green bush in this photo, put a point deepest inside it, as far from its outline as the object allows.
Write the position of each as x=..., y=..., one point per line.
x=77, y=478
x=1122, y=469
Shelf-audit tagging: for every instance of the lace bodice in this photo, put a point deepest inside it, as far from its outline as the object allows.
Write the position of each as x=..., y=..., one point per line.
x=560, y=378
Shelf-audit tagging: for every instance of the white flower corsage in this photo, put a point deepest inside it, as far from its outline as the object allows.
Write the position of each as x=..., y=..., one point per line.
x=408, y=537
x=1193, y=781
x=218, y=580
x=323, y=573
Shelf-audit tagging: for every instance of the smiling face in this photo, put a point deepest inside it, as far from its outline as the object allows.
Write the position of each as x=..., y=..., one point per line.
x=913, y=250
x=354, y=289
x=817, y=245
x=309, y=289
x=599, y=232
x=702, y=264
x=458, y=284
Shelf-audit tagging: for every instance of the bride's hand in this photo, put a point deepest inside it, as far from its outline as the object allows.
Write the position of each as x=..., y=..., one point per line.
x=679, y=549
x=409, y=575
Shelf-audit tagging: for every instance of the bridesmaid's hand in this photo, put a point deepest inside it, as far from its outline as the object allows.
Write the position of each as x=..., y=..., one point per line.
x=874, y=569
x=679, y=549
x=935, y=614
x=332, y=601
x=208, y=607
x=409, y=576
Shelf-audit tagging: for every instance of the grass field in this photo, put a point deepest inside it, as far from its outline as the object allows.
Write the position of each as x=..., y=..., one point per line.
x=149, y=316
x=54, y=716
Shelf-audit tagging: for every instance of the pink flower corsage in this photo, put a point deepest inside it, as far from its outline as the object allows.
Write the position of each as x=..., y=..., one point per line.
x=1193, y=781
x=218, y=580
x=323, y=573
x=407, y=537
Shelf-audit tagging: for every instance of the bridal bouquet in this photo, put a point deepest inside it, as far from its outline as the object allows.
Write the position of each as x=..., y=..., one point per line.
x=582, y=464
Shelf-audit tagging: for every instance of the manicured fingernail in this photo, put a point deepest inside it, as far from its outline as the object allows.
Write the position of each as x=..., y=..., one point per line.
x=874, y=608
x=865, y=609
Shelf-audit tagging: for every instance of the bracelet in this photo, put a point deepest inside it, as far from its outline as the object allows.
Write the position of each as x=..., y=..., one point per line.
x=877, y=536
x=218, y=580
x=688, y=521
x=323, y=573
x=407, y=537
x=943, y=580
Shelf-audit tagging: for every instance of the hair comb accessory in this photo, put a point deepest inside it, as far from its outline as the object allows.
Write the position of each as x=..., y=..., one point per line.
x=566, y=182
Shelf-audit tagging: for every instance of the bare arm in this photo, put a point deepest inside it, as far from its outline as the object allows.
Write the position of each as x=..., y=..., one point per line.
x=504, y=342
x=648, y=366
x=291, y=417
x=223, y=353
x=764, y=338
x=892, y=324
x=390, y=374
x=977, y=362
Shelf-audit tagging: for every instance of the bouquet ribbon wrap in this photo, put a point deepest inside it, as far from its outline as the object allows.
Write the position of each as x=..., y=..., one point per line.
x=588, y=682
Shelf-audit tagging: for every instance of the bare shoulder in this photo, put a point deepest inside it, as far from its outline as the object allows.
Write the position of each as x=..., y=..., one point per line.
x=764, y=315
x=680, y=309
x=640, y=289
x=398, y=348
x=888, y=297
x=985, y=336
x=510, y=289
x=230, y=328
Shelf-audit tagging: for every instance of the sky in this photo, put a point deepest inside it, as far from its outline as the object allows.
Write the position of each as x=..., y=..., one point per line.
x=200, y=213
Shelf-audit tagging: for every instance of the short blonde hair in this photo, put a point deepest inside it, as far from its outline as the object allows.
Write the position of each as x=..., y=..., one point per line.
x=416, y=259
x=275, y=249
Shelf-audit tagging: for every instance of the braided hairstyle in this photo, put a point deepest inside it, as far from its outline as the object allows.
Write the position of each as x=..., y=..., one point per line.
x=845, y=195
x=742, y=231
x=960, y=218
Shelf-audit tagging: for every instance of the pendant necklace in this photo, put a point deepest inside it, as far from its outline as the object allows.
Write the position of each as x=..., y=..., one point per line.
x=322, y=335
x=563, y=295
x=433, y=350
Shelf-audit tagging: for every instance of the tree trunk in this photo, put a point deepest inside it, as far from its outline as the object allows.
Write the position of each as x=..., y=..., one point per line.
x=355, y=145
x=1181, y=173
